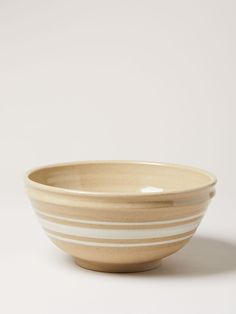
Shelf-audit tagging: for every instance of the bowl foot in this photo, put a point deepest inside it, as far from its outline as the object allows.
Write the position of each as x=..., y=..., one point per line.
x=117, y=268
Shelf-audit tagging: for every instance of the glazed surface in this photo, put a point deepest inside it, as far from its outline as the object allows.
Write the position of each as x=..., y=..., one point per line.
x=109, y=229
x=122, y=177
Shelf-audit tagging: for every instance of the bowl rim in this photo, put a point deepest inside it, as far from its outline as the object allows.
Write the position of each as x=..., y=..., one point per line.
x=40, y=186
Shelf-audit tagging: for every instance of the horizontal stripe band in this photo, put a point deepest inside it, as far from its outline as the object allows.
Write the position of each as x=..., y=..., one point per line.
x=67, y=200
x=118, y=233
x=86, y=243
x=112, y=223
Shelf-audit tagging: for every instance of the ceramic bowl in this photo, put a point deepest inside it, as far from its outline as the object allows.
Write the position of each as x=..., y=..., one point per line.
x=119, y=216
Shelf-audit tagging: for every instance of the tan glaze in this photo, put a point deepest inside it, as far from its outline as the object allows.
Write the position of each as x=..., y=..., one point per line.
x=119, y=216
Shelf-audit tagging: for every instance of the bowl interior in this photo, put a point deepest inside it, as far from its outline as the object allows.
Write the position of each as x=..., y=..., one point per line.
x=122, y=177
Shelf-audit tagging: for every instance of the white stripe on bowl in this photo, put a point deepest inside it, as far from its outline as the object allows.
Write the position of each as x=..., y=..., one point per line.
x=121, y=245
x=118, y=233
x=112, y=223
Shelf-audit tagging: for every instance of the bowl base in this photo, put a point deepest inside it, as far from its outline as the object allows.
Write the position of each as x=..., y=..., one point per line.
x=118, y=268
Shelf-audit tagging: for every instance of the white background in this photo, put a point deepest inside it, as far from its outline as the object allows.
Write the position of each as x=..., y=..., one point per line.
x=140, y=80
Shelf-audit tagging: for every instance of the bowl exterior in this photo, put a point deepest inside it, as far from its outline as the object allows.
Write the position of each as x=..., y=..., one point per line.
x=119, y=233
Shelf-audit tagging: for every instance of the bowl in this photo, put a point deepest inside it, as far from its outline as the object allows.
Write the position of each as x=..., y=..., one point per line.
x=119, y=216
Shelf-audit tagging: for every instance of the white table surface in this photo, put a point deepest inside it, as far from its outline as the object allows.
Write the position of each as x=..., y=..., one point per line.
x=124, y=79
x=36, y=277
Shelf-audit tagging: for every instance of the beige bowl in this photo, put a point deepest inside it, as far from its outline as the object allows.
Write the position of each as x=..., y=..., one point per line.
x=119, y=216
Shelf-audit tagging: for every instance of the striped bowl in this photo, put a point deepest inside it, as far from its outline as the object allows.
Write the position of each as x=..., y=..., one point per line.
x=119, y=216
